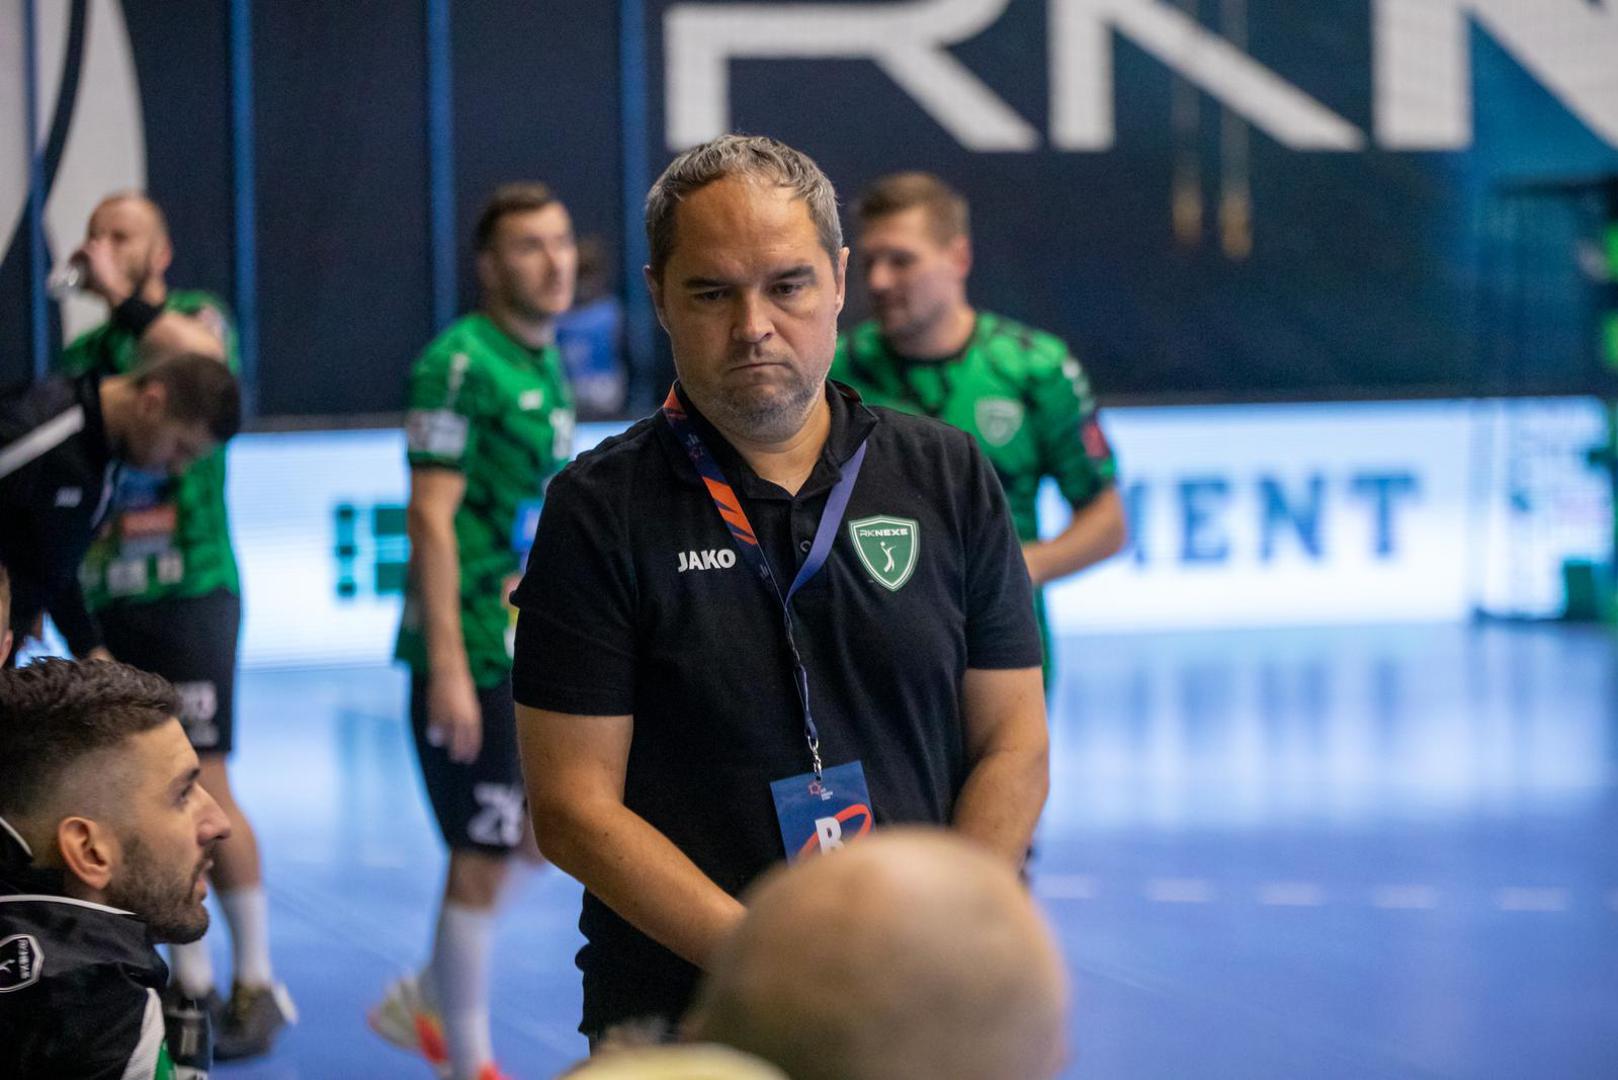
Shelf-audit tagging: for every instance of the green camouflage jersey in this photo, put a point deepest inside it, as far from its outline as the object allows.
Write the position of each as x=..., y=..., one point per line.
x=502, y=414
x=170, y=536
x=1018, y=391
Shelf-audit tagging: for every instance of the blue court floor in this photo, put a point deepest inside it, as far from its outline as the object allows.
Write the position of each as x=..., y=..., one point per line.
x=1379, y=852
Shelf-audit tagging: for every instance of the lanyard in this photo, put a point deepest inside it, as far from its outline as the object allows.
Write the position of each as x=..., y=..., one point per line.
x=747, y=546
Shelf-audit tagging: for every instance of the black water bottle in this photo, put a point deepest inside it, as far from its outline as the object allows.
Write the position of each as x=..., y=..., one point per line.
x=190, y=1037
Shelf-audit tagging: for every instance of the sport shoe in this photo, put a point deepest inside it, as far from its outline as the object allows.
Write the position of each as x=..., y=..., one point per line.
x=252, y=1018
x=405, y=1019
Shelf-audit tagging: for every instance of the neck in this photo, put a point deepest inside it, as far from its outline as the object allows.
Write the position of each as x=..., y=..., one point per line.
x=534, y=332
x=786, y=462
x=154, y=291
x=944, y=337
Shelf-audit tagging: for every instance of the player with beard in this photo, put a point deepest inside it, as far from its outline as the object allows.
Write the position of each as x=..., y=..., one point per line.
x=105, y=837
x=490, y=422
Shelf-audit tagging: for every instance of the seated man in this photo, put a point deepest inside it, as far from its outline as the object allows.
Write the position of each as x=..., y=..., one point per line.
x=105, y=836
x=910, y=954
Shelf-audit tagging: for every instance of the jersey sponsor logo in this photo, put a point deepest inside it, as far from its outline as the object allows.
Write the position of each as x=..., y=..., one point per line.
x=439, y=432
x=711, y=559
x=20, y=962
x=998, y=419
x=887, y=546
x=529, y=400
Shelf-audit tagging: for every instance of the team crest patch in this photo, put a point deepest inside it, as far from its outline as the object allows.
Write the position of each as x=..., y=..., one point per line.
x=999, y=419
x=20, y=962
x=887, y=546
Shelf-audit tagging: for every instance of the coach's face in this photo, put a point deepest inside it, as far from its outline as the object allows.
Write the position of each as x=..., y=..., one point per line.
x=166, y=836
x=750, y=299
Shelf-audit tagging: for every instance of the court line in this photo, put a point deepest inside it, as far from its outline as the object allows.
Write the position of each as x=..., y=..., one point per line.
x=1531, y=898
x=1179, y=891
x=1066, y=887
x=1405, y=897
x=1291, y=894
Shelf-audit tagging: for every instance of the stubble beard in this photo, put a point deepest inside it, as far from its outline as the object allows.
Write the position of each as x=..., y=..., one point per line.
x=766, y=414
x=162, y=900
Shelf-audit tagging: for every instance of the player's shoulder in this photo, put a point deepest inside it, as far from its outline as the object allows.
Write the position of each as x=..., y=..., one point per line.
x=615, y=461
x=192, y=301
x=1025, y=349
x=919, y=435
x=463, y=344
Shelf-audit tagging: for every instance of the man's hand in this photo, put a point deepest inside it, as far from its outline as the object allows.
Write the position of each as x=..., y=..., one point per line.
x=102, y=274
x=454, y=720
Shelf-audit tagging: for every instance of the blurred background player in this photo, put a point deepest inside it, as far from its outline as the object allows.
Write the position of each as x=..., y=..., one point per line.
x=1019, y=391
x=163, y=582
x=63, y=442
x=490, y=422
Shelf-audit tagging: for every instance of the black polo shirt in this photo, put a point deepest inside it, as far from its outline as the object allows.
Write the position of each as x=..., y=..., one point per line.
x=631, y=606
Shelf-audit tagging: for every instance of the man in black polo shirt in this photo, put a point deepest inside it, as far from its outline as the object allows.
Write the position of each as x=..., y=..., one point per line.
x=61, y=442
x=768, y=616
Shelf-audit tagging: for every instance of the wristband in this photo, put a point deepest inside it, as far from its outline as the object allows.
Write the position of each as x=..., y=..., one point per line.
x=135, y=315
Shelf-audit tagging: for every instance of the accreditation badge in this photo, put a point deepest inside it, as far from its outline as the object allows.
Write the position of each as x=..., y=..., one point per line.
x=821, y=815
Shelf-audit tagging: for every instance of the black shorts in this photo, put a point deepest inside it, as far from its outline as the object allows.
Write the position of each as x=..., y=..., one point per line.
x=191, y=642
x=480, y=806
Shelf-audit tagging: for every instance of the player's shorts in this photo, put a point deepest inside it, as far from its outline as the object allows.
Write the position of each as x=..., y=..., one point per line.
x=191, y=642
x=480, y=805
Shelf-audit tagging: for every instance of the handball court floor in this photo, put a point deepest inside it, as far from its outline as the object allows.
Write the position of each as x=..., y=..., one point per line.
x=1367, y=852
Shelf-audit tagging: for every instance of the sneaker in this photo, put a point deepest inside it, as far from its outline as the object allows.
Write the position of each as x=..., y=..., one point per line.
x=251, y=1020
x=405, y=1019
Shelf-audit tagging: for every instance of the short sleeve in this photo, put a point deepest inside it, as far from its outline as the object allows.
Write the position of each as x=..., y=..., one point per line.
x=1001, y=631
x=442, y=405
x=575, y=646
x=1067, y=426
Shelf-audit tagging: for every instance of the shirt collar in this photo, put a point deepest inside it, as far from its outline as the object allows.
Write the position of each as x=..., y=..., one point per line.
x=851, y=422
x=17, y=870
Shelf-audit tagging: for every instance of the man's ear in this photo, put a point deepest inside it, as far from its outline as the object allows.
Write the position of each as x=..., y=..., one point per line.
x=655, y=287
x=89, y=851
x=842, y=277
x=152, y=402
x=960, y=253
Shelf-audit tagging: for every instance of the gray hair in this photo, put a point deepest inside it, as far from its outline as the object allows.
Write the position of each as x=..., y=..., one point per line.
x=753, y=157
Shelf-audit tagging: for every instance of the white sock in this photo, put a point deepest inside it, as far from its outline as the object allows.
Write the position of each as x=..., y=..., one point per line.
x=248, y=913
x=193, y=968
x=459, y=981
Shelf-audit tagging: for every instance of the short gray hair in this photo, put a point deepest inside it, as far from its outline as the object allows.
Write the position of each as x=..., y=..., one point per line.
x=753, y=157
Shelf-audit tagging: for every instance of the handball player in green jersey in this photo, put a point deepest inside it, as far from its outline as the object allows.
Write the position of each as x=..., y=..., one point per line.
x=1018, y=391
x=490, y=422
x=162, y=581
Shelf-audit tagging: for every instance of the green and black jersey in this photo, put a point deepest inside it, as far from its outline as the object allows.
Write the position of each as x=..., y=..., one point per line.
x=170, y=536
x=501, y=414
x=1018, y=391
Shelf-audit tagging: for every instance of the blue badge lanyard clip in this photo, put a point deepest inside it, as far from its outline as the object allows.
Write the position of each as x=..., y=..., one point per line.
x=747, y=546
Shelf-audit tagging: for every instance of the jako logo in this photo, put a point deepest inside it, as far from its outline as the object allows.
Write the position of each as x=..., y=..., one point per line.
x=723, y=559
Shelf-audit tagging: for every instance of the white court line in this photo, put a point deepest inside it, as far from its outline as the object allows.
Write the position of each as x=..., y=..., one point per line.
x=1066, y=887
x=1524, y=898
x=1291, y=894
x=1179, y=891
x=1405, y=897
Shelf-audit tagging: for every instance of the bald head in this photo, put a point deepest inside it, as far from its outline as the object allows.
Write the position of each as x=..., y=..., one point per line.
x=140, y=206
x=909, y=954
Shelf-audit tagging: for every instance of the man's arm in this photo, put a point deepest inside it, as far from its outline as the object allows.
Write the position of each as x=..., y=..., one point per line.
x=171, y=333
x=1096, y=532
x=453, y=717
x=1008, y=759
x=574, y=767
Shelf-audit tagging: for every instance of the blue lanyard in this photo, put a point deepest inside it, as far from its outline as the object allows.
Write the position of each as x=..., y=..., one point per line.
x=747, y=546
